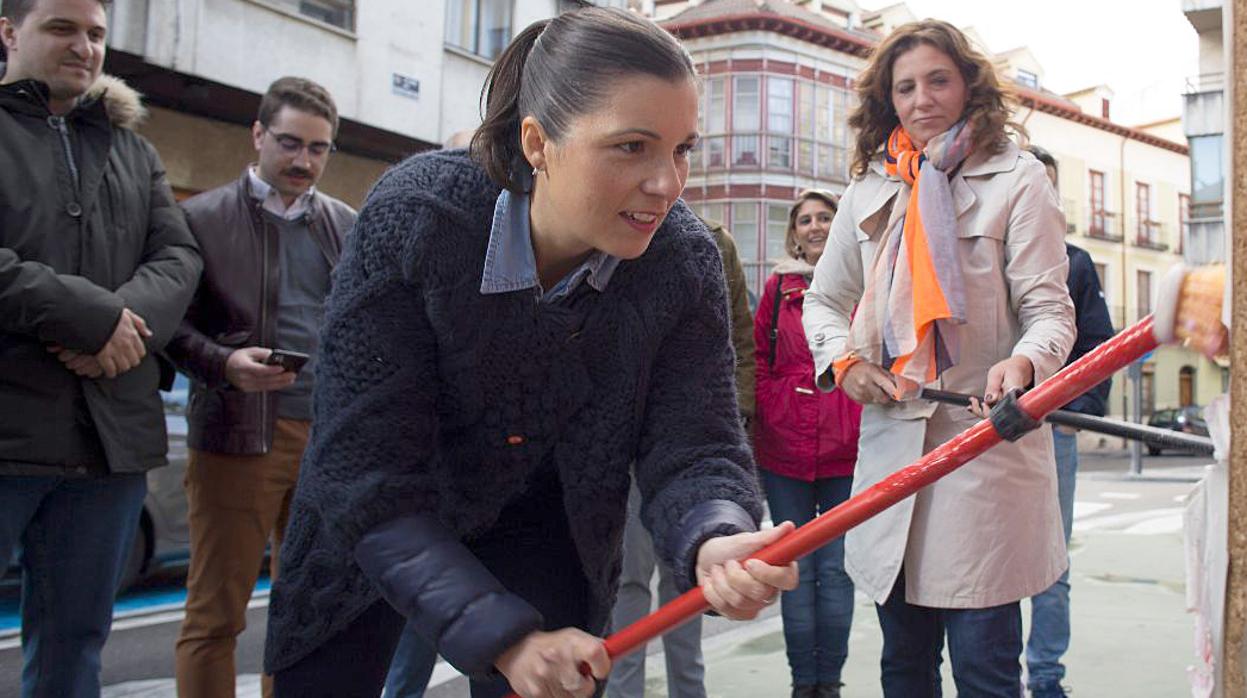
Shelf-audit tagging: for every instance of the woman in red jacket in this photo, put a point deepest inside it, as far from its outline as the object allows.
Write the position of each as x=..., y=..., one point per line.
x=806, y=444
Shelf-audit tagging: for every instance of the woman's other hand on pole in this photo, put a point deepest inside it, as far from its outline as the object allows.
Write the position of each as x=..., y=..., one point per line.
x=740, y=591
x=1013, y=373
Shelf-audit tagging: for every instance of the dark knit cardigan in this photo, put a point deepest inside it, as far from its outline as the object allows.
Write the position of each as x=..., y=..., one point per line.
x=434, y=398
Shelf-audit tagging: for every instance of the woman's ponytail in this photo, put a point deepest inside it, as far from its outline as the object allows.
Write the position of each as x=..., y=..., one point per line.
x=496, y=144
x=560, y=68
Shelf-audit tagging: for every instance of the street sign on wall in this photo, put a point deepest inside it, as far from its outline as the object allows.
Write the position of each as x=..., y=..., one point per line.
x=405, y=86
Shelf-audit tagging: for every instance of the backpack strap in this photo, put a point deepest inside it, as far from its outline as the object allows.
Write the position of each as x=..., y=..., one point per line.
x=779, y=295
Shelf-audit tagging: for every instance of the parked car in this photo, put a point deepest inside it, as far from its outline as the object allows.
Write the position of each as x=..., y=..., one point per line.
x=1189, y=419
x=163, y=536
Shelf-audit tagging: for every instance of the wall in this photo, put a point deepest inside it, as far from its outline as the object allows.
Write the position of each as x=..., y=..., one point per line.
x=1232, y=678
x=463, y=73
x=463, y=78
x=247, y=44
x=1170, y=130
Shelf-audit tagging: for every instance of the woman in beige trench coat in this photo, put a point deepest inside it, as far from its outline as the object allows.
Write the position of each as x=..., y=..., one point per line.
x=956, y=558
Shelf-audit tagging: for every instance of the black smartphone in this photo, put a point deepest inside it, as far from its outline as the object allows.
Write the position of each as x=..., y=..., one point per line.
x=289, y=360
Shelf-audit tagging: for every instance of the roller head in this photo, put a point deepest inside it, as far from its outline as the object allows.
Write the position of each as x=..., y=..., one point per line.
x=1188, y=309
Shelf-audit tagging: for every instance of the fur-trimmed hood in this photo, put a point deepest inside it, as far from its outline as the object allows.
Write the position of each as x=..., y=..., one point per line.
x=123, y=103
x=788, y=265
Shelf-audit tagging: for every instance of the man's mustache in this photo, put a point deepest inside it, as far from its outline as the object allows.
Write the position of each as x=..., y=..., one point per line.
x=297, y=172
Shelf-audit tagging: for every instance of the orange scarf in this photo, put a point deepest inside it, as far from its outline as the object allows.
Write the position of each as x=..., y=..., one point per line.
x=914, y=298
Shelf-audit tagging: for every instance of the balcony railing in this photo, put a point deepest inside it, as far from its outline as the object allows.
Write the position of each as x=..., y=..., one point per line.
x=1100, y=226
x=1149, y=236
x=773, y=153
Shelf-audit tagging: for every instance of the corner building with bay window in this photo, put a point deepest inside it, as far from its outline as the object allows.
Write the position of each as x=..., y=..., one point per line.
x=776, y=96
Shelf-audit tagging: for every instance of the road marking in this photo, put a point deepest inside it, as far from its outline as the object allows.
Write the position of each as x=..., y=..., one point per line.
x=245, y=685
x=443, y=672
x=132, y=620
x=1125, y=522
x=1171, y=523
x=1084, y=509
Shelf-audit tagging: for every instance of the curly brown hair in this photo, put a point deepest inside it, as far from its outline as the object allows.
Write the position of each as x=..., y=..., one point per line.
x=988, y=101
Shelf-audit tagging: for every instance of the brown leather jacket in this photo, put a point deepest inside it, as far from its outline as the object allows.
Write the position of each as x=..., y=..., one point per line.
x=236, y=306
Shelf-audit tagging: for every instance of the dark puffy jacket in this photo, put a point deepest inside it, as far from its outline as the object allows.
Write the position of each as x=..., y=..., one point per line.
x=800, y=431
x=1094, y=325
x=437, y=406
x=71, y=258
x=236, y=306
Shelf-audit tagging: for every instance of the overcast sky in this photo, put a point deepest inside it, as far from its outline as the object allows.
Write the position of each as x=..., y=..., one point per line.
x=1143, y=49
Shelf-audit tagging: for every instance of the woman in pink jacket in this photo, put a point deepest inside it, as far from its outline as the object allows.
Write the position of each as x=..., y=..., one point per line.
x=806, y=444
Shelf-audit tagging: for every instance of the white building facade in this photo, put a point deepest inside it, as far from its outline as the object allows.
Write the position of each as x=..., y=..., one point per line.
x=406, y=74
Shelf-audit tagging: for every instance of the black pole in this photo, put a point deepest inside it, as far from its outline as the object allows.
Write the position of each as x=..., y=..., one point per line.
x=1164, y=438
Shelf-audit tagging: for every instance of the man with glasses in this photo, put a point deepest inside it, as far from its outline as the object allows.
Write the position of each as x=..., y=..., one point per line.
x=269, y=242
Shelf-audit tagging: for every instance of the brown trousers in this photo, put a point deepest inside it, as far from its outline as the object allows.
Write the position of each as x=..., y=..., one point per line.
x=237, y=505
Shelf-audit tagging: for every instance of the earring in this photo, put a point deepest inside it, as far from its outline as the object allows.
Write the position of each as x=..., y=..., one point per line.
x=535, y=171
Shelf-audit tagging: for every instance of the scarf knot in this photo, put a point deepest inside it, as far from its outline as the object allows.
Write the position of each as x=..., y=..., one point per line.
x=914, y=302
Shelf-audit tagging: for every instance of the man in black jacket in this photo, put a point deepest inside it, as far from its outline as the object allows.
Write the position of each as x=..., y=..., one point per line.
x=1049, y=635
x=269, y=242
x=97, y=267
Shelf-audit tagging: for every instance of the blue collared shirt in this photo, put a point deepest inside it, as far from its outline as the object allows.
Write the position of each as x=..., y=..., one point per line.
x=510, y=264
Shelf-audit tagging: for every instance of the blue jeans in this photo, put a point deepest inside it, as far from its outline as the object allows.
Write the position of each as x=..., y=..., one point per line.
x=984, y=644
x=74, y=536
x=686, y=672
x=1049, y=636
x=411, y=667
x=819, y=612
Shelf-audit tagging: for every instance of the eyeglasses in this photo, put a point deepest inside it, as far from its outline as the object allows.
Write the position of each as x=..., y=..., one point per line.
x=293, y=145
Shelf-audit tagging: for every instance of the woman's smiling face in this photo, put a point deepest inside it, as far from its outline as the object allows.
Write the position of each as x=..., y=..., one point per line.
x=811, y=227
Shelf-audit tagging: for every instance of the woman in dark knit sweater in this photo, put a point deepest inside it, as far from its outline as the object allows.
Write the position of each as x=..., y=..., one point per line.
x=506, y=335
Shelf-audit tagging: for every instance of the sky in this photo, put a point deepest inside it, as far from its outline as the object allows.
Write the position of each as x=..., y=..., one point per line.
x=1144, y=50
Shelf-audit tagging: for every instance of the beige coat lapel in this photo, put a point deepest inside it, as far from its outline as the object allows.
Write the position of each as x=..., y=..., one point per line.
x=870, y=218
x=976, y=166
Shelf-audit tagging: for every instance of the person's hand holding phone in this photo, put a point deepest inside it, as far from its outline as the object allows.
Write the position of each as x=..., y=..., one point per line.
x=247, y=371
x=292, y=361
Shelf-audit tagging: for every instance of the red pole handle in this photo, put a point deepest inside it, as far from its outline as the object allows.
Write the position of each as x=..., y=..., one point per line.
x=1074, y=380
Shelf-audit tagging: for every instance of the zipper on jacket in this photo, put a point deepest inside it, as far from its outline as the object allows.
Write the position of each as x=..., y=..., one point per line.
x=58, y=123
x=264, y=427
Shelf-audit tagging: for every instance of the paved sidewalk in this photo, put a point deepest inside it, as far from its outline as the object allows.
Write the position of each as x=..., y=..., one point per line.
x=1131, y=634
